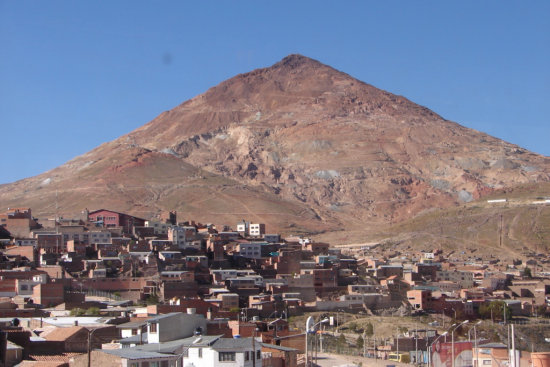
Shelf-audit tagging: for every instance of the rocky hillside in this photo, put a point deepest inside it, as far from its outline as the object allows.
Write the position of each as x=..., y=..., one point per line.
x=298, y=145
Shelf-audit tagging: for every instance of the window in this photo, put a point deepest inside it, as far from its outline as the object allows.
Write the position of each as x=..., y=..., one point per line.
x=486, y=361
x=247, y=356
x=134, y=364
x=258, y=354
x=153, y=328
x=226, y=356
x=200, y=352
x=153, y=364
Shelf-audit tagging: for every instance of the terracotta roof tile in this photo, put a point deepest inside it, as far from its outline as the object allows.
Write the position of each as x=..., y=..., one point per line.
x=61, y=333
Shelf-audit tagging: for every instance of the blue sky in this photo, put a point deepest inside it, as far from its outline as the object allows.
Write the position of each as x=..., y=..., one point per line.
x=75, y=74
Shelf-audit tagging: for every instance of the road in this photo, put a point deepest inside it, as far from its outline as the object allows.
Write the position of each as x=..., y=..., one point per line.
x=338, y=360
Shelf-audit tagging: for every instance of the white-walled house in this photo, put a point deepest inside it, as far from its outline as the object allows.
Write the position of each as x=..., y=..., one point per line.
x=201, y=351
x=211, y=351
x=174, y=325
x=225, y=352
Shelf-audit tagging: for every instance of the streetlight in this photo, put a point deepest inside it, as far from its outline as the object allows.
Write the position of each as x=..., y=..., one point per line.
x=338, y=321
x=475, y=340
x=451, y=308
x=310, y=329
x=430, y=347
x=453, y=341
x=185, y=349
x=473, y=328
x=90, y=334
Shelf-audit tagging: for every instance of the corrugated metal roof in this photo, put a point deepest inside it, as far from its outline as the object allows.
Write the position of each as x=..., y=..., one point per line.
x=233, y=344
x=279, y=347
x=132, y=324
x=134, y=353
x=134, y=339
x=175, y=345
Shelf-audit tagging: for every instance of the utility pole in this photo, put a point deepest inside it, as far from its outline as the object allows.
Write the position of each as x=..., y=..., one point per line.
x=254, y=348
x=397, y=344
x=374, y=350
x=321, y=338
x=476, y=347
x=364, y=343
x=415, y=344
x=508, y=344
x=513, y=351
x=90, y=335
x=500, y=233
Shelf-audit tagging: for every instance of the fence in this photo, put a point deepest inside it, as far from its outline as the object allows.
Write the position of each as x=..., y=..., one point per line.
x=331, y=344
x=104, y=294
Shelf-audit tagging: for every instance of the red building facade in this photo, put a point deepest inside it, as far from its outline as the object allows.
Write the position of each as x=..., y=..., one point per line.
x=111, y=219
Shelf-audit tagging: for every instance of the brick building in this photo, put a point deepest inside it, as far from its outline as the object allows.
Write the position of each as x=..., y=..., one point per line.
x=111, y=219
x=49, y=294
x=18, y=221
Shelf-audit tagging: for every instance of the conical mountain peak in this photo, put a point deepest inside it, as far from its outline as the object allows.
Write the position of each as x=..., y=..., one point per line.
x=296, y=144
x=294, y=61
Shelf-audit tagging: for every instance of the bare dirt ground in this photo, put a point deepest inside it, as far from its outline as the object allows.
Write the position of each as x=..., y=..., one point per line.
x=338, y=360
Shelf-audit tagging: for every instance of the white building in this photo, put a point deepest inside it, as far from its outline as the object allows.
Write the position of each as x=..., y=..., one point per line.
x=220, y=275
x=250, y=229
x=257, y=229
x=158, y=227
x=184, y=237
x=464, y=278
x=172, y=326
x=243, y=228
x=225, y=352
x=197, y=351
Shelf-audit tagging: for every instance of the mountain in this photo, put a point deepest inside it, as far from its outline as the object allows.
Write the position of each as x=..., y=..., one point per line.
x=299, y=146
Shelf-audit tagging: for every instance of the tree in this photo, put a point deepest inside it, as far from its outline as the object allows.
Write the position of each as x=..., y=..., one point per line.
x=341, y=340
x=77, y=312
x=153, y=299
x=360, y=342
x=92, y=311
x=369, y=330
x=496, y=310
x=542, y=311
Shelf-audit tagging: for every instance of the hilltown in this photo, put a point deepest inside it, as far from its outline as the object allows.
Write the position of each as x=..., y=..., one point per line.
x=112, y=289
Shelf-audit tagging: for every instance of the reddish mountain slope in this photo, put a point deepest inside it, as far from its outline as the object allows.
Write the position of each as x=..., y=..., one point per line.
x=298, y=145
